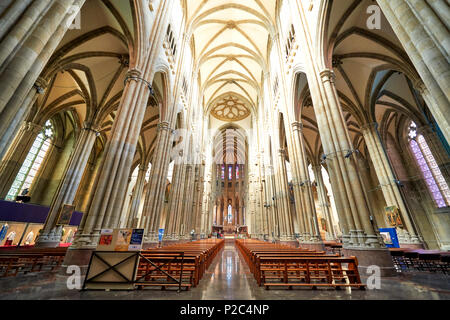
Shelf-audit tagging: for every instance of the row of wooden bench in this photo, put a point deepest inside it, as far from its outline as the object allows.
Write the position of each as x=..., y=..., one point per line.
x=186, y=261
x=420, y=260
x=276, y=265
x=14, y=262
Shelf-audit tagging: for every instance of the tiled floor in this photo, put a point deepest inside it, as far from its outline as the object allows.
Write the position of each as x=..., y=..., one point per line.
x=229, y=278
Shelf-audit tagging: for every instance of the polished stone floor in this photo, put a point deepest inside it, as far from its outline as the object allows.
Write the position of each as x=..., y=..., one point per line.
x=229, y=278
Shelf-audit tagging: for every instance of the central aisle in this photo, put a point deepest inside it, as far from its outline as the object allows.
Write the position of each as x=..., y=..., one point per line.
x=228, y=277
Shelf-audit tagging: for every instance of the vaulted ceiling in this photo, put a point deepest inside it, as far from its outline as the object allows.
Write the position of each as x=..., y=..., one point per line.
x=230, y=41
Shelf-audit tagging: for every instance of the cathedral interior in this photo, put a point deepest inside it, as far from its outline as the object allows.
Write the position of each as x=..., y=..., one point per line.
x=313, y=130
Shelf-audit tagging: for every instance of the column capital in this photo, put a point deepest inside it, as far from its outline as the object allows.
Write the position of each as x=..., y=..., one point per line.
x=91, y=127
x=133, y=73
x=369, y=125
x=420, y=86
x=282, y=153
x=163, y=125
x=425, y=130
x=136, y=75
x=143, y=167
x=297, y=126
x=327, y=75
x=40, y=85
x=31, y=126
x=187, y=36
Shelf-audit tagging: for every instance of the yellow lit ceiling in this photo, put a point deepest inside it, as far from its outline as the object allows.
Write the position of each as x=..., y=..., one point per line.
x=230, y=41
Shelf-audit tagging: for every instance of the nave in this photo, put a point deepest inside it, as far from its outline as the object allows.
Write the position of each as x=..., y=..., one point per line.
x=149, y=123
x=227, y=278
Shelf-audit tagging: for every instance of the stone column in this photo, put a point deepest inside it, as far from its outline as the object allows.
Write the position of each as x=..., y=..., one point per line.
x=110, y=191
x=170, y=225
x=283, y=197
x=23, y=56
x=424, y=35
x=184, y=232
x=154, y=199
x=177, y=204
x=307, y=218
x=324, y=203
x=339, y=154
x=388, y=182
x=50, y=235
x=8, y=132
x=16, y=154
x=136, y=197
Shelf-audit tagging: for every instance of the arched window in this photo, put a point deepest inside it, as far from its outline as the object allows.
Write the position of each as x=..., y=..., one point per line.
x=430, y=170
x=32, y=162
x=230, y=213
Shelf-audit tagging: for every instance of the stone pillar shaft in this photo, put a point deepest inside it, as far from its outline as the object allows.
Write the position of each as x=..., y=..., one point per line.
x=16, y=154
x=136, y=197
x=109, y=195
x=425, y=38
x=307, y=217
x=68, y=186
x=386, y=177
x=154, y=199
x=21, y=70
x=322, y=194
x=283, y=198
x=338, y=149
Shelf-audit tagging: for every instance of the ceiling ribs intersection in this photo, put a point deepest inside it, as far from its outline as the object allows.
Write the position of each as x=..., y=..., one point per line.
x=230, y=40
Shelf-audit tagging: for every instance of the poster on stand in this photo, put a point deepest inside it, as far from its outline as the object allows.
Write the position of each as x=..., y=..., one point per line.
x=137, y=236
x=105, y=242
x=123, y=239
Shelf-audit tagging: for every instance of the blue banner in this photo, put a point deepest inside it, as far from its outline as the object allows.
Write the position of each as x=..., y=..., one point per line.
x=390, y=237
x=160, y=234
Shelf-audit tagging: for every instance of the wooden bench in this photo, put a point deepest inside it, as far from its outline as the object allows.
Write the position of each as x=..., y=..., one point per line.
x=420, y=260
x=185, y=261
x=282, y=266
x=30, y=260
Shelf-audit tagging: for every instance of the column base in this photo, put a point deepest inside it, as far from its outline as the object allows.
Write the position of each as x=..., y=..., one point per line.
x=317, y=246
x=412, y=246
x=50, y=239
x=47, y=243
x=290, y=243
x=372, y=257
x=150, y=245
x=169, y=242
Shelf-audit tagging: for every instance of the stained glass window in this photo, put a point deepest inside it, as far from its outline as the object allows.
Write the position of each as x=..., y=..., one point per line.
x=230, y=172
x=223, y=172
x=430, y=170
x=237, y=172
x=32, y=163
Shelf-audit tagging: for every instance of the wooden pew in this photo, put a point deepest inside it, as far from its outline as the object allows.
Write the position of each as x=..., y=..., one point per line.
x=186, y=260
x=281, y=266
x=30, y=260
